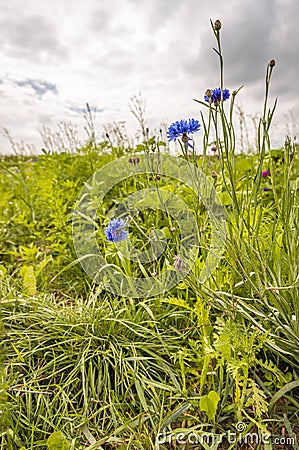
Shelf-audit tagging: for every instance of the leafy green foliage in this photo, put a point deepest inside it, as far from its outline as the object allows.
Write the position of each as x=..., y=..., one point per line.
x=209, y=403
x=137, y=362
x=57, y=441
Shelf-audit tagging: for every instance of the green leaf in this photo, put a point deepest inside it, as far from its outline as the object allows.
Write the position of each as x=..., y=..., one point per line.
x=291, y=432
x=174, y=416
x=177, y=302
x=225, y=198
x=283, y=391
x=244, y=164
x=29, y=280
x=140, y=392
x=3, y=271
x=57, y=441
x=209, y=403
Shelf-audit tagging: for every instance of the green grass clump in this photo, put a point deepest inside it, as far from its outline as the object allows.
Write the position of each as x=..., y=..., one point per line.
x=102, y=366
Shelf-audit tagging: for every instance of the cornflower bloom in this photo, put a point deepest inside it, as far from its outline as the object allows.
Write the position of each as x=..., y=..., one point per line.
x=215, y=95
x=115, y=231
x=182, y=128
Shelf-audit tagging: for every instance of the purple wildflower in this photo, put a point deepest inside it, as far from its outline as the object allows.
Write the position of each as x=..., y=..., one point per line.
x=266, y=173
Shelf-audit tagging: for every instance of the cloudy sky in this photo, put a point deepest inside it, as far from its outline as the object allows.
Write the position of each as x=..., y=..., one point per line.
x=57, y=55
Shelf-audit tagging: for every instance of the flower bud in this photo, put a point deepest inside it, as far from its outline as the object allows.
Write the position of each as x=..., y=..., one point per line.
x=217, y=25
x=272, y=63
x=134, y=161
x=185, y=138
x=178, y=262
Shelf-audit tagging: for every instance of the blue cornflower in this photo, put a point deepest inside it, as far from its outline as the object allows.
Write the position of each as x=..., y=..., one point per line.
x=216, y=95
x=182, y=128
x=115, y=232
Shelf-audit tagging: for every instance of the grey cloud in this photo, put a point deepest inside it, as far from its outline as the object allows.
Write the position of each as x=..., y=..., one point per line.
x=82, y=110
x=163, y=48
x=286, y=43
x=245, y=43
x=252, y=34
x=100, y=20
x=158, y=13
x=41, y=87
x=32, y=36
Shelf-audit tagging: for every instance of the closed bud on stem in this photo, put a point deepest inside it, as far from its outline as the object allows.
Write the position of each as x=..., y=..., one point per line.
x=178, y=262
x=217, y=25
x=185, y=138
x=208, y=96
x=272, y=63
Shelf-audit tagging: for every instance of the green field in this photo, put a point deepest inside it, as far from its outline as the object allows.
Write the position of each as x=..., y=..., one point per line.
x=100, y=364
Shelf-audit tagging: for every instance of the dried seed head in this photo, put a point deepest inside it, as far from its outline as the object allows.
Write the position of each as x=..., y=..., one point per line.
x=217, y=25
x=209, y=93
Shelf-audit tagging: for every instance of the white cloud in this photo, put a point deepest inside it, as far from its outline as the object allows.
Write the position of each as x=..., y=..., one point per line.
x=103, y=52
